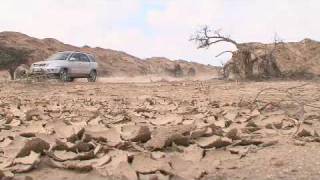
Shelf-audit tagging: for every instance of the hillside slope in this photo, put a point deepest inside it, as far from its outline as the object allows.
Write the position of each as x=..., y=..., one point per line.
x=111, y=62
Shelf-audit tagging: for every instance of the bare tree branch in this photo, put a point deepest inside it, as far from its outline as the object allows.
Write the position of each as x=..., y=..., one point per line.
x=220, y=54
x=206, y=37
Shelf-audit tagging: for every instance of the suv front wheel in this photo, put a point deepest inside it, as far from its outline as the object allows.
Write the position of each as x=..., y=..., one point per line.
x=92, y=76
x=64, y=76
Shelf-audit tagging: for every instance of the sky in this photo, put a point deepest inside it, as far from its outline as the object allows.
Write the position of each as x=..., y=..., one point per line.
x=161, y=28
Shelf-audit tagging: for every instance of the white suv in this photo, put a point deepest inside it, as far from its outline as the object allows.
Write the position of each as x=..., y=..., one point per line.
x=67, y=66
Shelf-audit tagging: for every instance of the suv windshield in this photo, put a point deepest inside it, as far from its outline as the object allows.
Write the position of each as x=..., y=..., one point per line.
x=59, y=56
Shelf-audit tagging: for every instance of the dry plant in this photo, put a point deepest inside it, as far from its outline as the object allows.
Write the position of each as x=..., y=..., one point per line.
x=289, y=96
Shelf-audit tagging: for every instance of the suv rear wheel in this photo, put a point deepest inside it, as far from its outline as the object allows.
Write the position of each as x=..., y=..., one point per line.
x=92, y=76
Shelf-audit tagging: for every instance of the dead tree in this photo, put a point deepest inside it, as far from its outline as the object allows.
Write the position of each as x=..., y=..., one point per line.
x=243, y=60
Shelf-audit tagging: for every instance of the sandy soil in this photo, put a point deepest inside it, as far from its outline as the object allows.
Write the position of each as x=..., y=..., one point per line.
x=160, y=130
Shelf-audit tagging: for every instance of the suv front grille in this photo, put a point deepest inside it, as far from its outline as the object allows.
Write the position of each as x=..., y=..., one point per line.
x=39, y=65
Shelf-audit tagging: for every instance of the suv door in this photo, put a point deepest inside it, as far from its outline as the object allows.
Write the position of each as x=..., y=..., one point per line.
x=85, y=64
x=75, y=64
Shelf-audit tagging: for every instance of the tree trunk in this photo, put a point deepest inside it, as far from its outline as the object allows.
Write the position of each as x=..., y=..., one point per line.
x=11, y=72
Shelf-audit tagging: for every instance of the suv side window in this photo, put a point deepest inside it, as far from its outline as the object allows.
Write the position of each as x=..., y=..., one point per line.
x=84, y=58
x=76, y=56
x=92, y=59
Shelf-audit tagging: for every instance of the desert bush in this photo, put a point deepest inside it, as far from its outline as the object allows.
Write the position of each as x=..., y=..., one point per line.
x=11, y=58
x=177, y=70
x=192, y=71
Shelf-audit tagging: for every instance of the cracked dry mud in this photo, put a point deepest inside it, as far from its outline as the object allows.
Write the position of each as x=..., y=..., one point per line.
x=160, y=131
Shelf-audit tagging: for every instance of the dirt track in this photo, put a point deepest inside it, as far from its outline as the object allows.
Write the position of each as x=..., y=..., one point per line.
x=162, y=130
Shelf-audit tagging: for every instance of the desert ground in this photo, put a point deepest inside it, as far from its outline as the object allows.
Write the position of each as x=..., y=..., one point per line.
x=160, y=129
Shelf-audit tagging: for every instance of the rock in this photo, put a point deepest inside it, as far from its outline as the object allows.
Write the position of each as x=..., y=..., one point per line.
x=241, y=150
x=248, y=141
x=103, y=160
x=81, y=147
x=233, y=134
x=15, y=123
x=220, y=123
x=165, y=136
x=192, y=153
x=33, y=113
x=20, y=148
x=231, y=115
x=186, y=169
x=22, y=178
x=299, y=143
x=274, y=121
x=250, y=127
x=199, y=132
x=64, y=155
x=68, y=132
x=166, y=119
x=25, y=164
x=110, y=136
x=135, y=133
x=143, y=163
x=255, y=113
x=111, y=167
x=33, y=129
x=269, y=143
x=155, y=176
x=5, y=142
x=307, y=131
x=80, y=166
x=158, y=155
x=209, y=163
x=30, y=159
x=213, y=141
x=216, y=130
x=125, y=172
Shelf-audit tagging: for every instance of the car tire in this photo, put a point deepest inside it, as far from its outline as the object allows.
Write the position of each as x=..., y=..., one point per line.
x=64, y=76
x=92, y=76
x=71, y=79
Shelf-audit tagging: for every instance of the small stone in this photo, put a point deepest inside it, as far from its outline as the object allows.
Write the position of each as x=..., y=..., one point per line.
x=213, y=141
x=186, y=169
x=158, y=155
x=110, y=136
x=274, y=121
x=25, y=164
x=232, y=115
x=64, y=155
x=241, y=150
x=307, y=131
x=37, y=145
x=125, y=172
x=199, y=132
x=143, y=163
x=299, y=143
x=233, y=134
x=155, y=176
x=166, y=119
x=103, y=160
x=269, y=143
x=165, y=136
x=135, y=133
x=68, y=132
x=30, y=114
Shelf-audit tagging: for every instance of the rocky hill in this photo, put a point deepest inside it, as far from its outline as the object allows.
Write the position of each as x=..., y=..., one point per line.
x=287, y=59
x=111, y=62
